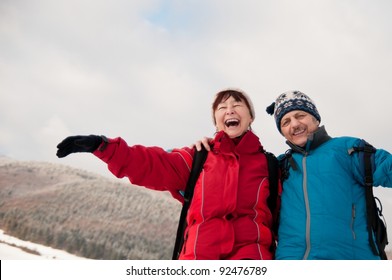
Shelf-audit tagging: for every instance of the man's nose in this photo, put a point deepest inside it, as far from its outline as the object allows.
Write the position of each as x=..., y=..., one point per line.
x=294, y=122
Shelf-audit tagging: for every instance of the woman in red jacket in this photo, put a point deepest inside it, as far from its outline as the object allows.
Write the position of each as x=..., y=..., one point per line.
x=228, y=217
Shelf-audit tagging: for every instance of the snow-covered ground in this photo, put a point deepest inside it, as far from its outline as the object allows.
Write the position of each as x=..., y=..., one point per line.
x=16, y=264
x=10, y=249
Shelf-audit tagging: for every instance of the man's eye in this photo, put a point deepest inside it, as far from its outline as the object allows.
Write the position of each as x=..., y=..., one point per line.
x=285, y=123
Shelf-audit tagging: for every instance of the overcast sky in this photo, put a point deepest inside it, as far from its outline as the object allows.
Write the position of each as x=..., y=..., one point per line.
x=148, y=70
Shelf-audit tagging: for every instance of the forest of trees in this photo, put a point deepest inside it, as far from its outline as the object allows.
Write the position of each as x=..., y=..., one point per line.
x=85, y=214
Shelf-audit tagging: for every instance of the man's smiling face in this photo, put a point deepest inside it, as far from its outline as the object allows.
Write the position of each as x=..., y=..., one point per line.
x=297, y=125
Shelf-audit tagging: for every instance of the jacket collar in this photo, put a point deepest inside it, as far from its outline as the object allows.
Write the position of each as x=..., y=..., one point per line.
x=314, y=140
x=249, y=143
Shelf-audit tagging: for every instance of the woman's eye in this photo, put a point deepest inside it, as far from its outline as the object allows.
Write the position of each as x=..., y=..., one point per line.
x=222, y=107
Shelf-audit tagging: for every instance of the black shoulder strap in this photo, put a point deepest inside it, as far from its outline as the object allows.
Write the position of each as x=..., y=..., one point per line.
x=273, y=200
x=197, y=165
x=273, y=167
x=375, y=225
x=285, y=163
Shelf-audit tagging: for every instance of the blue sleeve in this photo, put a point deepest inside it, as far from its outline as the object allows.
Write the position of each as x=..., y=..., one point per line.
x=382, y=175
x=381, y=161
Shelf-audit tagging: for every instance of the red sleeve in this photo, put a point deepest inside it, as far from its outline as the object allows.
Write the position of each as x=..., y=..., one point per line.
x=151, y=167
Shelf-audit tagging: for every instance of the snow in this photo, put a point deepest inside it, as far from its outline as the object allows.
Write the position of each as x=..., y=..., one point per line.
x=10, y=249
x=16, y=264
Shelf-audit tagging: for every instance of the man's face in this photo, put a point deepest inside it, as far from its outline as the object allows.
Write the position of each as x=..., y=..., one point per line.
x=297, y=125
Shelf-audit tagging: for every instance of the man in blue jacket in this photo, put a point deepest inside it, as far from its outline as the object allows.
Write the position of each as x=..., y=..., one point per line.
x=323, y=207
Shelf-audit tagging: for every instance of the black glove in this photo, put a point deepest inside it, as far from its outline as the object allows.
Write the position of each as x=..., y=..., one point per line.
x=79, y=144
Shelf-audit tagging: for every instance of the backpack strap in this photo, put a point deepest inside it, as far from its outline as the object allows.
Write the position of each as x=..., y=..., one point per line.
x=273, y=167
x=285, y=162
x=377, y=234
x=197, y=165
x=273, y=200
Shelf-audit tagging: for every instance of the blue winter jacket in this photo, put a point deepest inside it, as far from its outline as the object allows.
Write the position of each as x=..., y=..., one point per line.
x=323, y=210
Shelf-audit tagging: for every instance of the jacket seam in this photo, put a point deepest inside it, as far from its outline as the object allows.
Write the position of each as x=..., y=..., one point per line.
x=256, y=215
x=201, y=214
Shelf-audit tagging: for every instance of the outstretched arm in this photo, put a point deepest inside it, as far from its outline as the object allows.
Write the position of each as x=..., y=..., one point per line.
x=151, y=167
x=383, y=172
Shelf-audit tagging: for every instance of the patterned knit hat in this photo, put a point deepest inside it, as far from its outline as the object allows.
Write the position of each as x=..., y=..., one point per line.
x=291, y=101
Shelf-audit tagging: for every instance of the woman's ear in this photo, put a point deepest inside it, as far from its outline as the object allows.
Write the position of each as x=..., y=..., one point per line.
x=250, y=124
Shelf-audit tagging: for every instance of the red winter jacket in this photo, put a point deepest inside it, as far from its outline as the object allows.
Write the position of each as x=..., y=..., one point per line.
x=228, y=217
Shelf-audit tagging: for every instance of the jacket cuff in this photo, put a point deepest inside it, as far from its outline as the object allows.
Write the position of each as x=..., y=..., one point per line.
x=104, y=143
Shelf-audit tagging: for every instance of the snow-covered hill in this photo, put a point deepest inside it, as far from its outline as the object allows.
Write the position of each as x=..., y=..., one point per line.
x=68, y=205
x=84, y=213
x=12, y=248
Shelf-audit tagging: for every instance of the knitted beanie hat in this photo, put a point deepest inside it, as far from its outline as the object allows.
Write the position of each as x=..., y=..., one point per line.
x=238, y=95
x=291, y=101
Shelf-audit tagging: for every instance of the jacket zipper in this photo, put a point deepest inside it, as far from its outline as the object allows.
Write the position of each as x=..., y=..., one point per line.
x=306, y=199
x=353, y=220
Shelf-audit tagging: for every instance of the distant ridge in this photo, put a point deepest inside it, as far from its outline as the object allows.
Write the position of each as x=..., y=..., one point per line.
x=84, y=213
